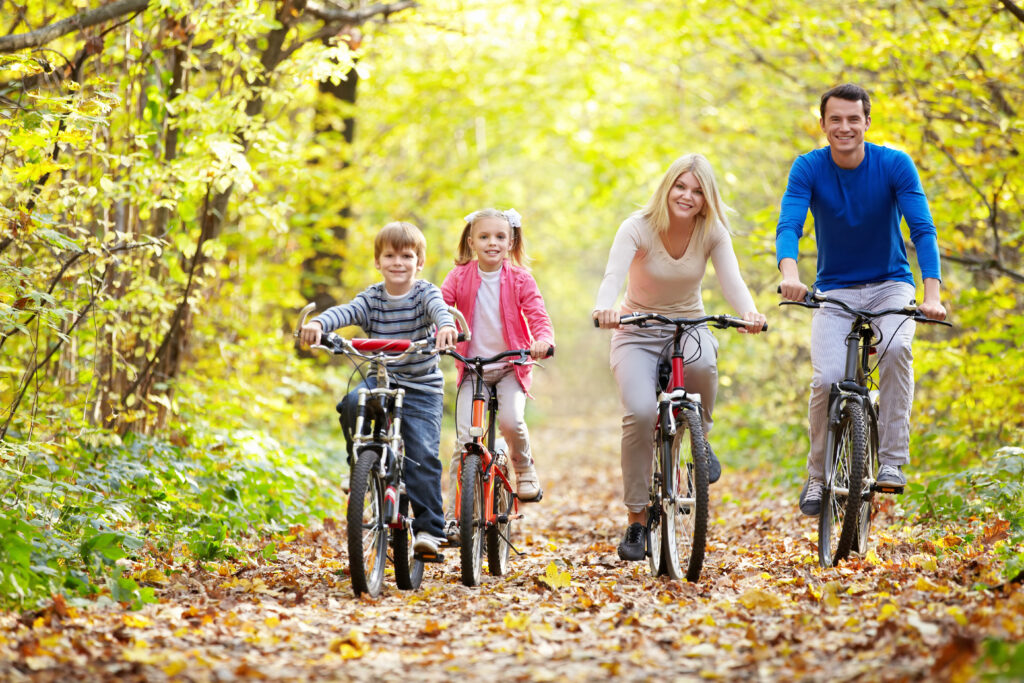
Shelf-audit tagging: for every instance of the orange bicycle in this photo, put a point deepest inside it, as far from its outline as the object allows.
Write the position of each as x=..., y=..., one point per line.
x=485, y=502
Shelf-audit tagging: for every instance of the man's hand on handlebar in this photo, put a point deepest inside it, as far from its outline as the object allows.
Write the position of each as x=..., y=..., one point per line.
x=310, y=333
x=446, y=338
x=933, y=309
x=793, y=290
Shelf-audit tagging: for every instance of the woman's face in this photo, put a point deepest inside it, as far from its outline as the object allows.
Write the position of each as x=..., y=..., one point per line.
x=685, y=198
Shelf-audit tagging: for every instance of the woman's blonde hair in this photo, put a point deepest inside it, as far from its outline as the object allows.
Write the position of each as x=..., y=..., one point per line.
x=516, y=248
x=656, y=209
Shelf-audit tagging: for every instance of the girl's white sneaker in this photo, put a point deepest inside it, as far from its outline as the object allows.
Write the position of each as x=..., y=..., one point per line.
x=527, y=484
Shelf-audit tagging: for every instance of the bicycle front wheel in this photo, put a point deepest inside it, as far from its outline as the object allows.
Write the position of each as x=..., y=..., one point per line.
x=367, y=528
x=499, y=536
x=841, y=498
x=408, y=570
x=685, y=498
x=472, y=521
x=860, y=544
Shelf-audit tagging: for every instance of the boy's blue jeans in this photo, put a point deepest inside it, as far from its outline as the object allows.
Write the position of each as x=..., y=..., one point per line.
x=421, y=432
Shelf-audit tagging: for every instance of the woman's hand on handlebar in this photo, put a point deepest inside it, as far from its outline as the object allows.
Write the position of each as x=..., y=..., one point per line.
x=754, y=317
x=607, y=319
x=310, y=333
x=446, y=338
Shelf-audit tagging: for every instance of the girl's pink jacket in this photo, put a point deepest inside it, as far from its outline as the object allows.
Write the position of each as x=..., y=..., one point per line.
x=523, y=315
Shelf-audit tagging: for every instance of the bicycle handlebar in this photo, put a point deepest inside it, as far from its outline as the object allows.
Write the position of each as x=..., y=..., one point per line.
x=385, y=351
x=814, y=299
x=719, y=321
x=522, y=354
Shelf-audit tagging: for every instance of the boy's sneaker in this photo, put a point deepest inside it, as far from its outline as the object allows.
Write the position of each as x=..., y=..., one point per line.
x=891, y=475
x=810, y=497
x=427, y=544
x=527, y=484
x=714, y=467
x=451, y=532
x=633, y=545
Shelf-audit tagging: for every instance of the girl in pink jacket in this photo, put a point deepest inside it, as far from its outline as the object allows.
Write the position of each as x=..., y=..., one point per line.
x=503, y=307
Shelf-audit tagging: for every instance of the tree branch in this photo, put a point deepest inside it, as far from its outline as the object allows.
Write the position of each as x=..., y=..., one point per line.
x=359, y=16
x=985, y=264
x=1014, y=10
x=77, y=22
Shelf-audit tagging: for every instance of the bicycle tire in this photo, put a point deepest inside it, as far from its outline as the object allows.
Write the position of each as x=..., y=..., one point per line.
x=655, y=551
x=472, y=521
x=408, y=570
x=685, y=498
x=844, y=469
x=367, y=530
x=499, y=536
x=871, y=463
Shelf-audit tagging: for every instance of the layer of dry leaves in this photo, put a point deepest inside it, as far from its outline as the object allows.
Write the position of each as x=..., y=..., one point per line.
x=570, y=610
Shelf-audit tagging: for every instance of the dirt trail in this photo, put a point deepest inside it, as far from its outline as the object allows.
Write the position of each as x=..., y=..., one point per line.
x=763, y=610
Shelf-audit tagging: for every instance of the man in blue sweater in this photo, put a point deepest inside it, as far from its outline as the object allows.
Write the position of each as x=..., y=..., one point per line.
x=858, y=192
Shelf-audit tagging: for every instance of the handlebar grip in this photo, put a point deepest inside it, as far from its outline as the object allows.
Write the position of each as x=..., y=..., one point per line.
x=596, y=322
x=551, y=351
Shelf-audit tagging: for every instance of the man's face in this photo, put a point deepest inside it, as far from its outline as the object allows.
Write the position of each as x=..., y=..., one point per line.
x=844, y=124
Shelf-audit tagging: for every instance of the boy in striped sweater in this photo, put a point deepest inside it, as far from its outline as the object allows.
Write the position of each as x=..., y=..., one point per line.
x=404, y=307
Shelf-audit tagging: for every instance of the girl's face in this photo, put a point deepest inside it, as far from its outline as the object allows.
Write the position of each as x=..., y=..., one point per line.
x=490, y=238
x=685, y=198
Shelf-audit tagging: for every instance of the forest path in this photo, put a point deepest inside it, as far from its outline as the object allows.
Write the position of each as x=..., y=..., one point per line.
x=762, y=610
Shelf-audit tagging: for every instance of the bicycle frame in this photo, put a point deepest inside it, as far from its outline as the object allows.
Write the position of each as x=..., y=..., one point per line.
x=670, y=402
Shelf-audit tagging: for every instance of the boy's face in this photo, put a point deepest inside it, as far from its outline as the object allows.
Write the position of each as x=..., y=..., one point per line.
x=399, y=268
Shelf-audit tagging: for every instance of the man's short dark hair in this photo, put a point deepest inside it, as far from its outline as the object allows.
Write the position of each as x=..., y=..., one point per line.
x=847, y=91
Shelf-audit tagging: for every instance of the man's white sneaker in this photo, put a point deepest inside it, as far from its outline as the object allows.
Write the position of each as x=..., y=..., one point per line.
x=891, y=475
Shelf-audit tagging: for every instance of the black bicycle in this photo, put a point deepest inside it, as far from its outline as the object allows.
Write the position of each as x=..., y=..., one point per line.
x=379, y=513
x=851, y=462
x=677, y=517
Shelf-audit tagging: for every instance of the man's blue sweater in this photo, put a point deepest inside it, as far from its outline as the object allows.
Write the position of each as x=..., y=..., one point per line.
x=857, y=216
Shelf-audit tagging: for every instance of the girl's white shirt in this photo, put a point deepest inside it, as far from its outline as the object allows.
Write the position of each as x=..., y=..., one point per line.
x=488, y=332
x=658, y=283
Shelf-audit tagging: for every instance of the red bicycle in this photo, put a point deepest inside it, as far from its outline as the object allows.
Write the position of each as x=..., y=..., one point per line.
x=485, y=502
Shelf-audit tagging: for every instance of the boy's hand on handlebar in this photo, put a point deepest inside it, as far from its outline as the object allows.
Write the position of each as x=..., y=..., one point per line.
x=446, y=338
x=754, y=317
x=310, y=333
x=539, y=350
x=607, y=319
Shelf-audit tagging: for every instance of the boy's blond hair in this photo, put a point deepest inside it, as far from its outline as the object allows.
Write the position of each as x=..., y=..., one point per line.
x=400, y=235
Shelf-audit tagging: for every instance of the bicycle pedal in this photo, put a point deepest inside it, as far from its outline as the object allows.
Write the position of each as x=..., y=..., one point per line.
x=885, y=488
x=429, y=557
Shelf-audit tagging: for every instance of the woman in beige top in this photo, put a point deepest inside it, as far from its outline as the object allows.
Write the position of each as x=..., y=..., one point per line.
x=661, y=253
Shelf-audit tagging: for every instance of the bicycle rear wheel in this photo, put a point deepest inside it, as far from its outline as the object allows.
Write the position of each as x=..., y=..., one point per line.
x=844, y=479
x=472, y=521
x=685, y=498
x=499, y=536
x=367, y=529
x=408, y=570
